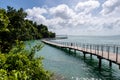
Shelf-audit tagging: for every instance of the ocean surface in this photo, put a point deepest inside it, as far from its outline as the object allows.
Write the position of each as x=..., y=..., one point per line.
x=75, y=67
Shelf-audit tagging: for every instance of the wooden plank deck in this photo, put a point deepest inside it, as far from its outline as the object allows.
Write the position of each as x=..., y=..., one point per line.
x=110, y=56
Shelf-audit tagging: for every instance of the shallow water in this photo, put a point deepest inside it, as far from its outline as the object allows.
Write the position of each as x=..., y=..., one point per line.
x=74, y=66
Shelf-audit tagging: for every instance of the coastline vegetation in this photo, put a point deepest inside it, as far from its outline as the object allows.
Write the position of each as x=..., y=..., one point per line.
x=17, y=63
x=14, y=26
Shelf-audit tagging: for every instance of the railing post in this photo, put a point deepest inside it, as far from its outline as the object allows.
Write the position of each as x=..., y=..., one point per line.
x=80, y=46
x=76, y=45
x=114, y=49
x=95, y=49
x=116, y=54
x=83, y=47
x=90, y=48
x=65, y=44
x=71, y=44
x=98, y=49
x=102, y=49
x=108, y=51
x=87, y=47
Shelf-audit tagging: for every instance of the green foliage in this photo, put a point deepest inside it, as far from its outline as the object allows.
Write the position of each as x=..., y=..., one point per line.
x=44, y=31
x=21, y=65
x=14, y=26
x=33, y=50
x=4, y=21
x=16, y=63
x=19, y=47
x=4, y=31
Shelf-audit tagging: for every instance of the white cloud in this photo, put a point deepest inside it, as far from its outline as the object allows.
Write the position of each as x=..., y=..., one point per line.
x=110, y=6
x=56, y=23
x=62, y=11
x=87, y=6
x=35, y=14
x=36, y=11
x=78, y=20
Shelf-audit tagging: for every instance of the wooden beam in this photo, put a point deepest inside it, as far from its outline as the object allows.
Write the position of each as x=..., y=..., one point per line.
x=74, y=50
x=110, y=63
x=100, y=62
x=69, y=50
x=90, y=56
x=84, y=55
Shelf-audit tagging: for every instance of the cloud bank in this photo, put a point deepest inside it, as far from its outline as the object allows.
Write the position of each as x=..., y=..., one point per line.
x=89, y=17
x=110, y=6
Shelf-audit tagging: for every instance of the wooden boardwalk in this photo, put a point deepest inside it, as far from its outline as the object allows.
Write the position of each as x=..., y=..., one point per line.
x=108, y=52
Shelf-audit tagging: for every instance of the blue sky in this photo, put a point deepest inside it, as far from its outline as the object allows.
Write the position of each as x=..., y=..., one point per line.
x=38, y=3
x=21, y=3
x=74, y=17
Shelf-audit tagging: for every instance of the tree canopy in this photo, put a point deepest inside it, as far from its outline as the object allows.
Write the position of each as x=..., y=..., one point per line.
x=14, y=26
x=17, y=63
x=20, y=64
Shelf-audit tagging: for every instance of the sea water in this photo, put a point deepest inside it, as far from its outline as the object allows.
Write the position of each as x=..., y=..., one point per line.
x=74, y=66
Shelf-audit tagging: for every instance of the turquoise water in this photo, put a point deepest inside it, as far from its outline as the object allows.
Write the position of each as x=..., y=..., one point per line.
x=75, y=67
x=94, y=39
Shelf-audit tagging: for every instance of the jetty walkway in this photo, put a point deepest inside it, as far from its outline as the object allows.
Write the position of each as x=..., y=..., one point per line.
x=102, y=51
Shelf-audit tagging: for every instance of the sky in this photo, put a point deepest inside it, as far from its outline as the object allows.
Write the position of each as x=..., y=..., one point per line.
x=72, y=17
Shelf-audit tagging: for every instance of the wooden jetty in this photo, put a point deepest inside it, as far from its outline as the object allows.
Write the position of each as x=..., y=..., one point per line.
x=102, y=51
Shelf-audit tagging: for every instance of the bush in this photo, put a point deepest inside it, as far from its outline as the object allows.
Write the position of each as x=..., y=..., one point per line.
x=22, y=66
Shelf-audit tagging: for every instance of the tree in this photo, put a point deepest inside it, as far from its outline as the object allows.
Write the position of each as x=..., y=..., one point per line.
x=14, y=26
x=18, y=63
x=4, y=21
x=4, y=31
x=17, y=23
x=21, y=65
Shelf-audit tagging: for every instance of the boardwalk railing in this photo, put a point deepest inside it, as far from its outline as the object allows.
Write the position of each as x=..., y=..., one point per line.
x=104, y=51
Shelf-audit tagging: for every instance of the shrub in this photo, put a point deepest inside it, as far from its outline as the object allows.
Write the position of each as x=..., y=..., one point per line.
x=22, y=66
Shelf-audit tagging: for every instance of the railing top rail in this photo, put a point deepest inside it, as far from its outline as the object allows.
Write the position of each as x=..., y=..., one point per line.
x=94, y=44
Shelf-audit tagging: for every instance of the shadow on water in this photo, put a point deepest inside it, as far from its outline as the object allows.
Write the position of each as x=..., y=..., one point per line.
x=105, y=73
